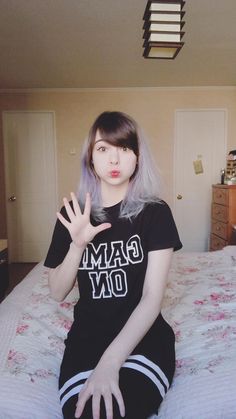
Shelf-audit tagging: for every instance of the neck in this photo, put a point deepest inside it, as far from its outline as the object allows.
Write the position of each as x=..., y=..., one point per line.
x=111, y=196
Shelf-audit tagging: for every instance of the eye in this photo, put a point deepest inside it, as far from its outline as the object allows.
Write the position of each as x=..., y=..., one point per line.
x=102, y=148
x=124, y=148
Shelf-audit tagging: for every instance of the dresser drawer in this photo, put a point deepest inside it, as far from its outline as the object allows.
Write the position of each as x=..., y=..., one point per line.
x=221, y=196
x=219, y=229
x=219, y=212
x=217, y=243
x=223, y=215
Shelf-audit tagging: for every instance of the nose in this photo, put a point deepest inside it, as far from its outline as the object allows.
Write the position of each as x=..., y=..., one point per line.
x=114, y=156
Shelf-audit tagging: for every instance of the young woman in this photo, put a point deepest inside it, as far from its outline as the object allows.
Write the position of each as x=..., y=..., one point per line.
x=117, y=238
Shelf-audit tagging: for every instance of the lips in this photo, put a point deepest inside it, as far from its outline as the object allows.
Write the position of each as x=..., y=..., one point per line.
x=115, y=173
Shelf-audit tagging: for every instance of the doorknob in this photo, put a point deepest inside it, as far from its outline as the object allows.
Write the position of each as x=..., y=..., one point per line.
x=179, y=196
x=12, y=198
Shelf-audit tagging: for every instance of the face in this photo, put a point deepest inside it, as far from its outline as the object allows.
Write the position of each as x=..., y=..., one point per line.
x=113, y=165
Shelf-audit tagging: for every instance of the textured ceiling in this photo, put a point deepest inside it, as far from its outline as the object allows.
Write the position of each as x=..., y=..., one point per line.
x=91, y=43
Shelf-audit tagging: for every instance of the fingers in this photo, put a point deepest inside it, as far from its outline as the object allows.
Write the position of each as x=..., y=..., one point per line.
x=119, y=398
x=108, y=406
x=108, y=403
x=96, y=400
x=78, y=224
x=63, y=220
x=76, y=206
x=96, y=406
x=69, y=210
x=87, y=208
x=80, y=404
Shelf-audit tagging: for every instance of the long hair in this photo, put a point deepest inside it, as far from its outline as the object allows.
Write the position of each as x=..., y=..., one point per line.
x=120, y=130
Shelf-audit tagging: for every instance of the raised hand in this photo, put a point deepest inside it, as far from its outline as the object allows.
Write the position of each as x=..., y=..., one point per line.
x=79, y=226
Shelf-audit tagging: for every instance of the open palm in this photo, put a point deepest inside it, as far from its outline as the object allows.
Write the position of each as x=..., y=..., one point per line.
x=80, y=228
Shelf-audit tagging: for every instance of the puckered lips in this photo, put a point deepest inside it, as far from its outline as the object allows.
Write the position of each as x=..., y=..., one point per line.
x=114, y=173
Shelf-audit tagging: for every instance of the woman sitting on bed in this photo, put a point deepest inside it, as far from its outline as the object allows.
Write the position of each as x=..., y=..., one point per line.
x=118, y=240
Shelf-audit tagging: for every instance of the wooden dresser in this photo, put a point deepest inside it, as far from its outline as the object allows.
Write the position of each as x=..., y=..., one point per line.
x=223, y=215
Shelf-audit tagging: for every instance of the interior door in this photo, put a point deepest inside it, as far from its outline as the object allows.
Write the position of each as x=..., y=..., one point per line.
x=30, y=172
x=200, y=137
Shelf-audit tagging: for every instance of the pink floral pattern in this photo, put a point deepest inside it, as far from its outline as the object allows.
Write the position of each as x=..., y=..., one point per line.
x=200, y=305
x=39, y=341
x=212, y=306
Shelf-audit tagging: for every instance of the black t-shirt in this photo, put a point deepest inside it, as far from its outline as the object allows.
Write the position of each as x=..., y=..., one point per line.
x=112, y=270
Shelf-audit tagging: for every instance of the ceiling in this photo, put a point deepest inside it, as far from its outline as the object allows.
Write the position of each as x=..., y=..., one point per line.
x=96, y=44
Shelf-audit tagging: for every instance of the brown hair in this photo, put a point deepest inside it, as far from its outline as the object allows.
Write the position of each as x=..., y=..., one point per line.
x=117, y=129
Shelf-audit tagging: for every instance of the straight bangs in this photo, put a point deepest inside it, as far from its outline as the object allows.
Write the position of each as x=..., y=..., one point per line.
x=121, y=138
x=120, y=130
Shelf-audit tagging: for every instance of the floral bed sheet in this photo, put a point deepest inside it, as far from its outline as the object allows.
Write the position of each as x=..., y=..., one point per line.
x=200, y=305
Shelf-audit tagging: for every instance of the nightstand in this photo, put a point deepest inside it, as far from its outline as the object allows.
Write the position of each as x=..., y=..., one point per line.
x=223, y=215
x=4, y=275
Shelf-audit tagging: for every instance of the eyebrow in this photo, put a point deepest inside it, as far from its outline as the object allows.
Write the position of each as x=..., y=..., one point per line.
x=101, y=139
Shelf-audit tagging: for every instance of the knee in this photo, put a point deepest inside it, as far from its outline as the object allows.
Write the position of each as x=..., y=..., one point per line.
x=141, y=396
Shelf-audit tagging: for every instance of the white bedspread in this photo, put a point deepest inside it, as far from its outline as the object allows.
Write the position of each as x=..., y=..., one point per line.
x=200, y=304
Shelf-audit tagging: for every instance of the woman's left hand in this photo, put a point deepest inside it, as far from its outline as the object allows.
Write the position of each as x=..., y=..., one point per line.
x=103, y=382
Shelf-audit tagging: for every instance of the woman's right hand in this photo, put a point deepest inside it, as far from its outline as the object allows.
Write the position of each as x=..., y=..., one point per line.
x=80, y=228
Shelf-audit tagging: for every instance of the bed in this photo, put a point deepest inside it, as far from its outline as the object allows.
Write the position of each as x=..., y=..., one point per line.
x=200, y=304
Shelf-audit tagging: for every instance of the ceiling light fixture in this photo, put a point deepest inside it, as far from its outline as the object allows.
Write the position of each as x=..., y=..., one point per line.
x=163, y=28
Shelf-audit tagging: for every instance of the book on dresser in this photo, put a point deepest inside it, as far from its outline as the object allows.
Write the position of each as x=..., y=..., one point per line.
x=223, y=215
